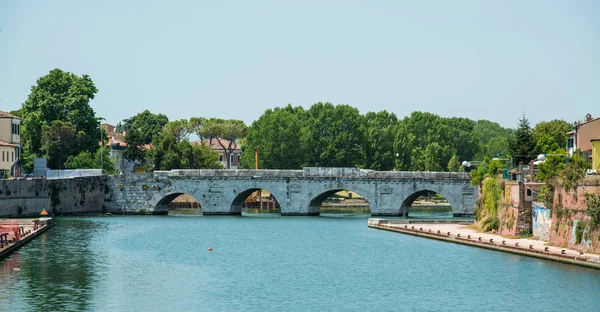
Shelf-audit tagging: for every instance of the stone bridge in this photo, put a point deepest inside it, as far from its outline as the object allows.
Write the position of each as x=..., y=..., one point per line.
x=299, y=192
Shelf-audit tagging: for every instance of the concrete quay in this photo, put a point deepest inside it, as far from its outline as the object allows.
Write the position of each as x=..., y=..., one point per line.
x=28, y=229
x=457, y=232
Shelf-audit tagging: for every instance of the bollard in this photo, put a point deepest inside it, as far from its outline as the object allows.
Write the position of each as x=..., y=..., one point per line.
x=479, y=238
x=469, y=236
x=448, y=233
x=503, y=242
x=563, y=252
x=530, y=246
x=516, y=244
x=545, y=248
x=491, y=240
x=406, y=226
x=438, y=231
x=421, y=229
x=412, y=227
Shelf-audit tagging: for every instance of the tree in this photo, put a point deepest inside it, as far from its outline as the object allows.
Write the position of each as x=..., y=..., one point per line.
x=276, y=136
x=332, y=136
x=380, y=130
x=522, y=146
x=551, y=135
x=168, y=154
x=140, y=129
x=454, y=164
x=180, y=129
x=59, y=141
x=552, y=166
x=59, y=96
x=432, y=157
x=228, y=129
x=492, y=139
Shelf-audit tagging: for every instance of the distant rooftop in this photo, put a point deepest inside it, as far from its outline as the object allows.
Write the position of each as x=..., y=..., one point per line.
x=4, y=114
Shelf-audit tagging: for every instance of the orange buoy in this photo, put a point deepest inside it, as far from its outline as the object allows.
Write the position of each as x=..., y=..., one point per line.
x=209, y=248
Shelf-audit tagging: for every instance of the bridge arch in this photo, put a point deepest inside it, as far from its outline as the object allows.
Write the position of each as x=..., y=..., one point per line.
x=162, y=201
x=410, y=199
x=237, y=204
x=316, y=202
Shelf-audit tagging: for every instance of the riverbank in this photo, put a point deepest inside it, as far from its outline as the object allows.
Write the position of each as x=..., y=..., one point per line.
x=28, y=229
x=458, y=232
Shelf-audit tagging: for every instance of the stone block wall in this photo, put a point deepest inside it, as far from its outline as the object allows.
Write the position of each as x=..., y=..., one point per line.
x=567, y=210
x=27, y=198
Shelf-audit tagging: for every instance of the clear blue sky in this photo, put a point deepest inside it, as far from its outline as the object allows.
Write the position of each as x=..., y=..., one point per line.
x=234, y=59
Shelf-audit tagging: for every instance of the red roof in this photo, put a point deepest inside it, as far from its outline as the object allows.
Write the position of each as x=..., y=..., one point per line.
x=4, y=114
x=215, y=144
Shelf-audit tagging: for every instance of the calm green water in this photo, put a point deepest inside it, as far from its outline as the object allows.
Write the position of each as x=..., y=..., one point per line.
x=162, y=263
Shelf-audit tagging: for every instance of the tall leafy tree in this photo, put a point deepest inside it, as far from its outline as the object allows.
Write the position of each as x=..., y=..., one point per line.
x=380, y=130
x=59, y=141
x=492, y=139
x=523, y=147
x=332, y=136
x=140, y=129
x=62, y=96
x=551, y=135
x=276, y=136
x=229, y=129
x=168, y=153
x=433, y=157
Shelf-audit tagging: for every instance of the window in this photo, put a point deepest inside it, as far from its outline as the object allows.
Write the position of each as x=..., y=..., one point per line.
x=220, y=157
x=2, y=155
x=528, y=192
x=13, y=156
x=239, y=158
x=231, y=158
x=570, y=143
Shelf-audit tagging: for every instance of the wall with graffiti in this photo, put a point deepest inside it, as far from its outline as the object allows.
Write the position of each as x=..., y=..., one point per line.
x=542, y=221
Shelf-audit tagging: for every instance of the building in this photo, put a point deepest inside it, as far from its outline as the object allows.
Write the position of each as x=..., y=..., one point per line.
x=217, y=144
x=582, y=135
x=117, y=144
x=10, y=144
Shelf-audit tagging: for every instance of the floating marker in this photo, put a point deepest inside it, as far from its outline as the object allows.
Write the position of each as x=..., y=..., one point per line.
x=209, y=248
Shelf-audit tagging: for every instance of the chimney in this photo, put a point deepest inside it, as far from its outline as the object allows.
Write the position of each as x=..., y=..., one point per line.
x=588, y=117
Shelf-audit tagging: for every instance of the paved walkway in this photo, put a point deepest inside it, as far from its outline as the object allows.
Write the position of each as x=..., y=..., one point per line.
x=463, y=234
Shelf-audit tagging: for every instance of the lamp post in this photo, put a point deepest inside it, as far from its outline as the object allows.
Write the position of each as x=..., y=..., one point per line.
x=470, y=163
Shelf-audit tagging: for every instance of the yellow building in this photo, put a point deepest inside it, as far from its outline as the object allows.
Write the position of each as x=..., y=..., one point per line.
x=10, y=144
x=596, y=154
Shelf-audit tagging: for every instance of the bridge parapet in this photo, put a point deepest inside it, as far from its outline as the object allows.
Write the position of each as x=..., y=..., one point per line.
x=315, y=172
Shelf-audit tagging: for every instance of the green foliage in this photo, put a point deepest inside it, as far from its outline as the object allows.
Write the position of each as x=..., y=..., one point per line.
x=491, y=195
x=574, y=171
x=140, y=129
x=477, y=176
x=433, y=156
x=380, y=130
x=522, y=146
x=229, y=129
x=592, y=202
x=454, y=164
x=579, y=229
x=332, y=136
x=87, y=160
x=493, y=168
x=276, y=136
x=552, y=167
x=180, y=129
x=490, y=222
x=550, y=135
x=546, y=194
x=492, y=139
x=59, y=141
x=61, y=96
x=168, y=154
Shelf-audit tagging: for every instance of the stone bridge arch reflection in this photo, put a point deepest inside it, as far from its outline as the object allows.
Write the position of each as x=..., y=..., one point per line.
x=338, y=202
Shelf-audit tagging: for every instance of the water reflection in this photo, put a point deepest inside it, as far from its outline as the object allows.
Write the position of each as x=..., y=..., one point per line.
x=50, y=276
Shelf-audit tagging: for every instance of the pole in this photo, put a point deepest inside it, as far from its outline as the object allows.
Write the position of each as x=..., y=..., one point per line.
x=256, y=158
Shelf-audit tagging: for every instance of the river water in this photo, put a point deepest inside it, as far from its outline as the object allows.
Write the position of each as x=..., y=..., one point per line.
x=162, y=263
